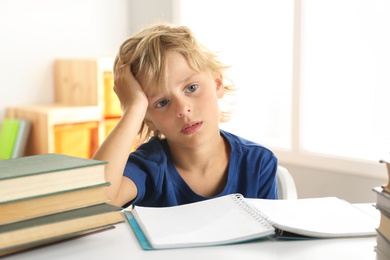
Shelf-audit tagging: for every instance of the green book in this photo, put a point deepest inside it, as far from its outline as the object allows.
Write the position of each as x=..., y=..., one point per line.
x=36, y=175
x=21, y=138
x=54, y=240
x=58, y=217
x=55, y=226
x=8, y=134
x=52, y=203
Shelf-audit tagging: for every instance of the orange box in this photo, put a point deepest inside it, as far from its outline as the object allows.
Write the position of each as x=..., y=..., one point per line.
x=112, y=106
x=80, y=140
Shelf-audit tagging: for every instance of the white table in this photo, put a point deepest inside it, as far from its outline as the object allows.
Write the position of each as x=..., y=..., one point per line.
x=121, y=243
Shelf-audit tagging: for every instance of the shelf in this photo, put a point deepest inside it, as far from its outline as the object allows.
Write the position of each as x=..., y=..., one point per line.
x=48, y=125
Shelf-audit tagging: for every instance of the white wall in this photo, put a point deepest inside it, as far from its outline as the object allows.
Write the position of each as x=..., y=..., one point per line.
x=146, y=12
x=313, y=182
x=35, y=32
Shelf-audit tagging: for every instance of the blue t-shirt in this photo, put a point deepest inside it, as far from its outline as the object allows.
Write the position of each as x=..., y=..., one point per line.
x=251, y=172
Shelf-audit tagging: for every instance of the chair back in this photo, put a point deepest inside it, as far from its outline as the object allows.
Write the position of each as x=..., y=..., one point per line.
x=286, y=184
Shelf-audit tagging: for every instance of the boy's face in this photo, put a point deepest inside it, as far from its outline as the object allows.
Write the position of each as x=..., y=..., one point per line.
x=189, y=113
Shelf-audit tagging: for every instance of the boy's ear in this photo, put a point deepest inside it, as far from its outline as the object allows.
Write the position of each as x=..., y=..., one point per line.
x=219, y=84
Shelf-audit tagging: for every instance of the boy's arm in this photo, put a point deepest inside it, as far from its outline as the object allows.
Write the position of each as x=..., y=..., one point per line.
x=117, y=146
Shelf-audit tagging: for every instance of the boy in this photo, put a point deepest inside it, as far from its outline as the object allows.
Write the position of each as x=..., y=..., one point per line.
x=169, y=86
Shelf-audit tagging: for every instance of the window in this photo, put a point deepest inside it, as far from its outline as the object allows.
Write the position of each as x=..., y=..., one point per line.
x=313, y=75
x=345, y=79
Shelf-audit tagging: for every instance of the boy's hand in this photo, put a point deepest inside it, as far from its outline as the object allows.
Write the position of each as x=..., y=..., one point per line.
x=127, y=88
x=116, y=147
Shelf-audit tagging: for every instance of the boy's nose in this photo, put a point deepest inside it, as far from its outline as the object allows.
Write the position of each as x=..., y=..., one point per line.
x=184, y=112
x=183, y=109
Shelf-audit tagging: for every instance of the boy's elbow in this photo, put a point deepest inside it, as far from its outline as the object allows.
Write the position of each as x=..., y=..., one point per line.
x=114, y=203
x=126, y=193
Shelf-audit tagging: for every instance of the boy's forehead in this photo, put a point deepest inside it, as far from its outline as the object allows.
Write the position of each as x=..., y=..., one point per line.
x=157, y=87
x=176, y=70
x=162, y=88
x=157, y=90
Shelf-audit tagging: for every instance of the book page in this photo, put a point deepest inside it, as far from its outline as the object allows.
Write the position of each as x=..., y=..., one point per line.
x=210, y=222
x=318, y=217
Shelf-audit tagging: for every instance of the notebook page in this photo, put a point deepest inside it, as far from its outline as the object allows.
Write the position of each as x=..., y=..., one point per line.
x=318, y=217
x=211, y=222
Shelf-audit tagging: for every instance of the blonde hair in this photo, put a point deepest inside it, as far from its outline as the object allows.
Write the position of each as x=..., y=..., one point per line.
x=145, y=54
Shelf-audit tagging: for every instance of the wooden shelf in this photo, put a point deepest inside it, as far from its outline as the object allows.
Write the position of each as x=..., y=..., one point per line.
x=85, y=109
x=48, y=134
x=86, y=82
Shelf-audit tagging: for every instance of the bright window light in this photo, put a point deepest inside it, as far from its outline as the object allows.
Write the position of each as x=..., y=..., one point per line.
x=313, y=75
x=345, y=90
x=255, y=38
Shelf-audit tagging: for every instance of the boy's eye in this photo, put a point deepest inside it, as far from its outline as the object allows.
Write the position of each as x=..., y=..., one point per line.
x=162, y=103
x=191, y=88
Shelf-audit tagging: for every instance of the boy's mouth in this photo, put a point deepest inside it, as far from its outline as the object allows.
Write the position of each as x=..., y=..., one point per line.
x=191, y=127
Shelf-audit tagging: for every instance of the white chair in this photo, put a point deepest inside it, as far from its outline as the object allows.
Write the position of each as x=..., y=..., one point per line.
x=286, y=184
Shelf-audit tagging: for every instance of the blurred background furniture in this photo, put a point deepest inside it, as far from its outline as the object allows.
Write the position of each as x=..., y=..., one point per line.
x=84, y=111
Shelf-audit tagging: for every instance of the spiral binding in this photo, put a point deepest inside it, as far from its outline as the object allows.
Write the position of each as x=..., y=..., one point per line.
x=258, y=215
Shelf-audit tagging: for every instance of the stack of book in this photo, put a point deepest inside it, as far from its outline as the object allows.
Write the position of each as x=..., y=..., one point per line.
x=383, y=205
x=52, y=197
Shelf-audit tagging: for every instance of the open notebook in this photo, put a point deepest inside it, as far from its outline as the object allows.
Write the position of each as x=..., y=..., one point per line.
x=233, y=219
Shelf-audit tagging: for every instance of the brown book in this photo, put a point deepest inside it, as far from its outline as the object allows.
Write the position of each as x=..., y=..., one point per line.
x=36, y=175
x=47, y=204
x=57, y=226
x=382, y=247
x=382, y=199
x=386, y=161
x=384, y=224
